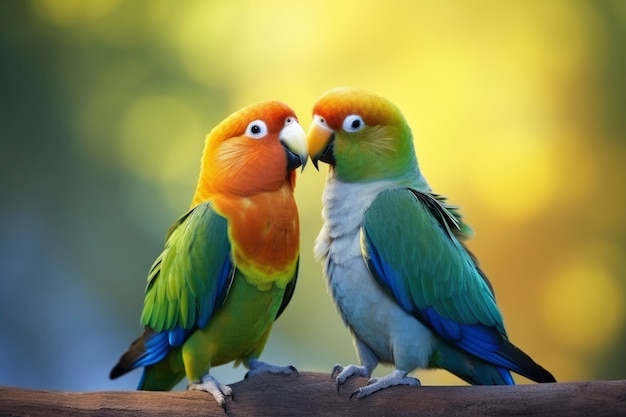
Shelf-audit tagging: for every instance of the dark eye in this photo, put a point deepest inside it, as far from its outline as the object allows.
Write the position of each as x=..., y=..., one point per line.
x=353, y=123
x=320, y=120
x=256, y=129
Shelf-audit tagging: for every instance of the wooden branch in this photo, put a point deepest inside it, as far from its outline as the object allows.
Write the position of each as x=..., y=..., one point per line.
x=314, y=394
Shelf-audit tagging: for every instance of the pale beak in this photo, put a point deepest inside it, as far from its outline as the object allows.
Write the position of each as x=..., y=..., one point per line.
x=293, y=138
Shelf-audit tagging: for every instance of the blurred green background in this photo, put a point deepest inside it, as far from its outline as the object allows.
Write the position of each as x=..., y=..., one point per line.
x=518, y=110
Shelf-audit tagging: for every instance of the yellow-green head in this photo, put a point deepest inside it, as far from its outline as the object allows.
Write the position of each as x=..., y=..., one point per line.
x=363, y=136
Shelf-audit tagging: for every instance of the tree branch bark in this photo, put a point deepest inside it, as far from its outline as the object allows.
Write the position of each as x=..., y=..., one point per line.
x=315, y=394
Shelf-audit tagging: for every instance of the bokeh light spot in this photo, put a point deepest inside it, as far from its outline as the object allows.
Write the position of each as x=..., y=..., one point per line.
x=73, y=12
x=514, y=178
x=205, y=51
x=583, y=306
x=160, y=139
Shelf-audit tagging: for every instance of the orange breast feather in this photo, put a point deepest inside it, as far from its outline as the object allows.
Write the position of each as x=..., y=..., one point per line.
x=264, y=231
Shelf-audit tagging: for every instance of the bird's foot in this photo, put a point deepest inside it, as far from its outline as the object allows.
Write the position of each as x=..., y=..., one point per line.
x=397, y=377
x=344, y=373
x=211, y=385
x=259, y=367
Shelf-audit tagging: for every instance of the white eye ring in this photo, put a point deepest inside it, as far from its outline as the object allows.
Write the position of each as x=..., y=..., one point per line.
x=320, y=120
x=290, y=120
x=256, y=129
x=353, y=123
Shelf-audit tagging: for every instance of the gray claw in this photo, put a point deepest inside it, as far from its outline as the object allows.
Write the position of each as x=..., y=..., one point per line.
x=336, y=369
x=355, y=393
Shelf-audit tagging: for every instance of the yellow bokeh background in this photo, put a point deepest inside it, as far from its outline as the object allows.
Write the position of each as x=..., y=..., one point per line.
x=515, y=108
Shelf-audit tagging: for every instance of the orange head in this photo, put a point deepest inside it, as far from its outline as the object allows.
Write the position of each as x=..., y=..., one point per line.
x=255, y=149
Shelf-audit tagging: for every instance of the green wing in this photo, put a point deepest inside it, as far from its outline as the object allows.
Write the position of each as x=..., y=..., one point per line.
x=414, y=253
x=408, y=244
x=410, y=241
x=192, y=276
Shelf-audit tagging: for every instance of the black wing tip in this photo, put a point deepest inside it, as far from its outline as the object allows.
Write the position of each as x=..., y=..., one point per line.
x=125, y=364
x=117, y=371
x=542, y=375
x=525, y=365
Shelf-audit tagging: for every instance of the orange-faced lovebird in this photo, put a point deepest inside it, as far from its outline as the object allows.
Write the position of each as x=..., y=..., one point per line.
x=229, y=265
x=392, y=251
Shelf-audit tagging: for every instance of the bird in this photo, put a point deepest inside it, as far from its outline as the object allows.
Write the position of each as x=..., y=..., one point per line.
x=229, y=265
x=394, y=258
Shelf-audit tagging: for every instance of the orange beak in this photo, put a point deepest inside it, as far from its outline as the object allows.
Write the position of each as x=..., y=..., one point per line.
x=320, y=138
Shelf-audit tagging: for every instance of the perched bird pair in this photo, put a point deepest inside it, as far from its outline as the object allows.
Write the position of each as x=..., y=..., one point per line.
x=405, y=285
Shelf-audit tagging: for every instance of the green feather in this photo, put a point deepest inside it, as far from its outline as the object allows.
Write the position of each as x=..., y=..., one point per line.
x=184, y=280
x=414, y=233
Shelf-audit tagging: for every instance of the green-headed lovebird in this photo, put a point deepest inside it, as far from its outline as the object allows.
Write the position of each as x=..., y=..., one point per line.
x=229, y=265
x=408, y=289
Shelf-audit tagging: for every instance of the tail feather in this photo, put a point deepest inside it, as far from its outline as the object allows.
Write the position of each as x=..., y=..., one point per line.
x=162, y=363
x=128, y=359
x=147, y=349
x=477, y=371
x=468, y=367
x=524, y=364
